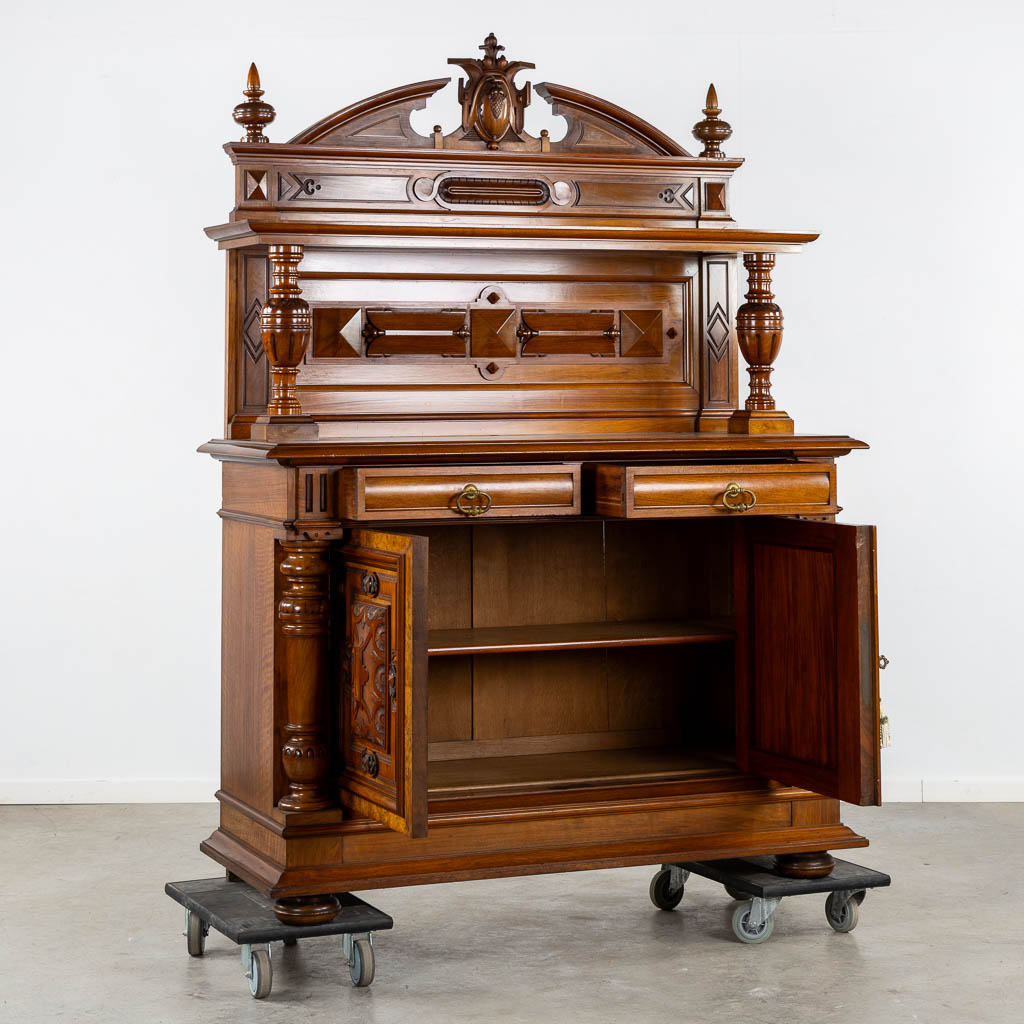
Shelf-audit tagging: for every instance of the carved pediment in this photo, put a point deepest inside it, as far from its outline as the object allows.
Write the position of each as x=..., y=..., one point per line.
x=492, y=117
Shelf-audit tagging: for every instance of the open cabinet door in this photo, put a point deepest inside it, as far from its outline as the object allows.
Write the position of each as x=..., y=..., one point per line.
x=807, y=656
x=382, y=578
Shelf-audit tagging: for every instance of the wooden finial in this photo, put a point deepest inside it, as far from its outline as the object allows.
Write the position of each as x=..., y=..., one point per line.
x=712, y=131
x=254, y=115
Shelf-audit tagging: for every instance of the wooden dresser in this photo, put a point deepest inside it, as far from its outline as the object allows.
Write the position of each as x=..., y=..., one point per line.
x=517, y=576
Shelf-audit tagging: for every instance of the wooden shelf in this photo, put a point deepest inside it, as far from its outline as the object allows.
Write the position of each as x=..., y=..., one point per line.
x=575, y=768
x=576, y=636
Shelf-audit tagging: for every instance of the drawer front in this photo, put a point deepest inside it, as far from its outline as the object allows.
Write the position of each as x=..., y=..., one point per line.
x=635, y=492
x=460, y=492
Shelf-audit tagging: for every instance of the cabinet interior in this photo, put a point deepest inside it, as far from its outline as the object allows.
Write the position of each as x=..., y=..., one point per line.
x=573, y=654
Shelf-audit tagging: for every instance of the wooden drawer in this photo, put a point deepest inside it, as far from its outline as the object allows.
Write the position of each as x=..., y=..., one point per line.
x=636, y=492
x=444, y=492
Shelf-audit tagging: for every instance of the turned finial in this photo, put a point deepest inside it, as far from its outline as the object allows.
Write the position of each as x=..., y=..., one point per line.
x=712, y=131
x=254, y=115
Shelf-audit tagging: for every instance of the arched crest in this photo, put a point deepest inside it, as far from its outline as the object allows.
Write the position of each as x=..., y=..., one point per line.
x=492, y=117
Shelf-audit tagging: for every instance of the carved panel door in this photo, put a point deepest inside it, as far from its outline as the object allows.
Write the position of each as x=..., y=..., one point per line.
x=383, y=699
x=807, y=656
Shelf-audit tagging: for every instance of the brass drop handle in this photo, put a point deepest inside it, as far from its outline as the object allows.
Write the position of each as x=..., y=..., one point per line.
x=472, y=501
x=734, y=500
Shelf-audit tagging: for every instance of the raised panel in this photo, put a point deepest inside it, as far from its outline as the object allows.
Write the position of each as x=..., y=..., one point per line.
x=439, y=332
x=337, y=332
x=641, y=332
x=382, y=702
x=568, y=332
x=419, y=492
x=493, y=332
x=686, y=491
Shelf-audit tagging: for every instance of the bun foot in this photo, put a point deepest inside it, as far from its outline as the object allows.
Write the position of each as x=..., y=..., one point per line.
x=307, y=909
x=804, y=865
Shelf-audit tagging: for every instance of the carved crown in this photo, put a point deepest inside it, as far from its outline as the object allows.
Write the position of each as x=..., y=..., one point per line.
x=492, y=117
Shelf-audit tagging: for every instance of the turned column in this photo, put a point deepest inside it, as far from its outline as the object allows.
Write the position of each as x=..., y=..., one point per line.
x=304, y=614
x=759, y=333
x=286, y=325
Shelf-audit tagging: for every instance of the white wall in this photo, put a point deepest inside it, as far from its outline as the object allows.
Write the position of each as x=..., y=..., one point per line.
x=893, y=128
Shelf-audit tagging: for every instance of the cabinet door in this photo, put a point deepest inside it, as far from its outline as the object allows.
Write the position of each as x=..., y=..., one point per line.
x=383, y=701
x=807, y=656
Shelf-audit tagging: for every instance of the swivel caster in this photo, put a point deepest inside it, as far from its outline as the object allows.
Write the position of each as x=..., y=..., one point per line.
x=752, y=922
x=259, y=970
x=842, y=909
x=667, y=887
x=359, y=955
x=196, y=930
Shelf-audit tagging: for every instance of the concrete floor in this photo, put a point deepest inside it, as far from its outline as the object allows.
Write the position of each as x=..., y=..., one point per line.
x=86, y=934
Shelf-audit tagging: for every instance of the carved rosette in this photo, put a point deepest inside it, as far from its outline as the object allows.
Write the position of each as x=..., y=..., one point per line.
x=491, y=104
x=759, y=329
x=286, y=324
x=303, y=612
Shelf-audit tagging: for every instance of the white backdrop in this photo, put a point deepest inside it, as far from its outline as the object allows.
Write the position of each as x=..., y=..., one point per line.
x=893, y=128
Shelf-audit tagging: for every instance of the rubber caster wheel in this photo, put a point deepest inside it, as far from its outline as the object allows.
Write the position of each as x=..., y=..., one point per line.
x=843, y=919
x=196, y=930
x=663, y=896
x=735, y=894
x=361, y=967
x=745, y=931
x=261, y=974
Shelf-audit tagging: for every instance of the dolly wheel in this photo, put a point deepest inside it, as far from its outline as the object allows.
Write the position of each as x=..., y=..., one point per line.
x=261, y=974
x=361, y=966
x=196, y=930
x=747, y=932
x=843, y=918
x=663, y=896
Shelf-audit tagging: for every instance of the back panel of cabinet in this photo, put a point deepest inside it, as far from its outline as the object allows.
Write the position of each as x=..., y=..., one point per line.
x=650, y=575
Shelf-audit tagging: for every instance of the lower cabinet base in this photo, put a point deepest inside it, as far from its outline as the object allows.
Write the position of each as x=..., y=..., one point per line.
x=289, y=861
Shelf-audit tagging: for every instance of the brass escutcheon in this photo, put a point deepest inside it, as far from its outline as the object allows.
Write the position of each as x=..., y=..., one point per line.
x=734, y=491
x=472, y=501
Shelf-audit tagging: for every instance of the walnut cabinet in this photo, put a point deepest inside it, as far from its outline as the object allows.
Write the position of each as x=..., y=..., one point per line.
x=517, y=577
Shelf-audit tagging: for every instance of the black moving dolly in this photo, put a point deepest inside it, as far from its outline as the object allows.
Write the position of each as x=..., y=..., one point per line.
x=243, y=915
x=759, y=889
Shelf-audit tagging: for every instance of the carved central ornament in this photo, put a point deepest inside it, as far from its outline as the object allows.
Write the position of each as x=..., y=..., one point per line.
x=492, y=107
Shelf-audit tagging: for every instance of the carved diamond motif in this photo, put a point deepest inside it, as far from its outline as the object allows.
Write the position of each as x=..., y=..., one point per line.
x=718, y=332
x=252, y=337
x=256, y=185
x=714, y=195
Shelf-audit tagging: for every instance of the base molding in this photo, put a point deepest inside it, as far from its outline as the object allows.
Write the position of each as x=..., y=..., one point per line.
x=277, y=881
